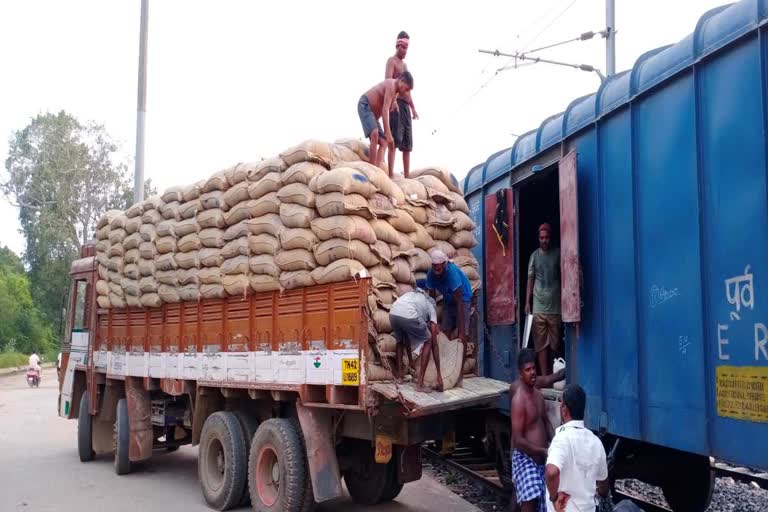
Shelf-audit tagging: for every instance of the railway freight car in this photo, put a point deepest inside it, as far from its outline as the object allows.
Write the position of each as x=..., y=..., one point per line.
x=659, y=187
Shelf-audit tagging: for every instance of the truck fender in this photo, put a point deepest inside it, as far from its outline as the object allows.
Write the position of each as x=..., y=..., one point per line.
x=317, y=430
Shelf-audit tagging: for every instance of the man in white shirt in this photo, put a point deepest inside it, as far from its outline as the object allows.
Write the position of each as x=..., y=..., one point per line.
x=576, y=464
x=34, y=363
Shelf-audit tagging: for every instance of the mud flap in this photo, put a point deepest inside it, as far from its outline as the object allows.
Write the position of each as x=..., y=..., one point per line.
x=317, y=430
x=139, y=420
x=408, y=463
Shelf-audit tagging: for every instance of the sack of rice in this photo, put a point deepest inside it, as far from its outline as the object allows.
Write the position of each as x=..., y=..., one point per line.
x=439, y=232
x=212, y=238
x=107, y=218
x=302, y=172
x=131, y=271
x=213, y=218
x=213, y=200
x=237, y=174
x=458, y=203
x=151, y=300
x=236, y=265
x=383, y=251
x=170, y=211
x=133, y=225
x=134, y=211
x=463, y=239
x=148, y=232
x=439, y=215
x=216, y=182
x=268, y=203
x=171, y=194
x=297, y=238
x=405, y=242
x=188, y=260
x=384, y=231
x=402, y=221
x=102, y=246
x=168, y=294
x=258, y=170
x=103, y=233
x=132, y=241
x=462, y=222
x=308, y=151
x=187, y=276
x=297, y=193
x=264, y=283
x=381, y=321
x=209, y=275
x=116, y=301
x=339, y=270
x=263, y=243
x=118, y=221
x=401, y=271
x=451, y=355
x=436, y=189
x=192, y=192
x=237, y=247
x=296, y=216
x=338, y=248
x=386, y=343
x=465, y=261
x=117, y=236
x=188, y=292
x=236, y=231
x=264, y=264
x=470, y=272
x=379, y=178
x=269, y=223
x=444, y=175
x=147, y=250
x=236, y=194
x=103, y=302
x=115, y=277
x=116, y=250
x=446, y=247
x=132, y=301
x=168, y=277
x=381, y=206
x=419, y=214
x=146, y=267
x=336, y=203
x=148, y=285
x=420, y=260
x=465, y=252
x=166, y=262
x=349, y=227
x=189, y=210
x=102, y=287
x=151, y=217
x=115, y=263
x=211, y=257
x=344, y=180
x=131, y=287
x=165, y=244
x=152, y=203
x=166, y=228
x=386, y=297
x=421, y=238
x=415, y=192
x=103, y=270
x=116, y=288
x=295, y=279
x=186, y=227
x=357, y=146
x=269, y=183
x=342, y=153
x=295, y=259
x=236, y=284
x=382, y=273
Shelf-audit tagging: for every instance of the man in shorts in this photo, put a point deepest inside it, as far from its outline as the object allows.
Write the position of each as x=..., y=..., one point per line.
x=377, y=101
x=400, y=118
x=543, y=298
x=414, y=321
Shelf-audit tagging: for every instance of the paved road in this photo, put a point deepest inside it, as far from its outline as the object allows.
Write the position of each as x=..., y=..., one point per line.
x=40, y=471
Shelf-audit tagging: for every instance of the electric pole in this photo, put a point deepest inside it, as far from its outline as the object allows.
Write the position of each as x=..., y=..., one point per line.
x=141, y=108
x=610, y=38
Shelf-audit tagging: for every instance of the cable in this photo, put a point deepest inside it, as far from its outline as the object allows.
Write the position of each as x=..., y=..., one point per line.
x=546, y=27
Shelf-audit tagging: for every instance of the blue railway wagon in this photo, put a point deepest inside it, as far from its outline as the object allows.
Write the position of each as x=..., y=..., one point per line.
x=668, y=215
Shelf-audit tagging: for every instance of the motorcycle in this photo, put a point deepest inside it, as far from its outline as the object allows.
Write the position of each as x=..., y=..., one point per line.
x=33, y=378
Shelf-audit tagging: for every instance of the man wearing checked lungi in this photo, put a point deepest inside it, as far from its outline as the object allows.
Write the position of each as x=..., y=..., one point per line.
x=531, y=435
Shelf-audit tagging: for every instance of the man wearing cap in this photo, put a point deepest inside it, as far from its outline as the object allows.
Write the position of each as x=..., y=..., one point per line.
x=543, y=299
x=400, y=118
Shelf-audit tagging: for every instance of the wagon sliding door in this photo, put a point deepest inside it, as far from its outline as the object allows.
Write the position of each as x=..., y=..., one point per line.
x=500, y=258
x=570, y=271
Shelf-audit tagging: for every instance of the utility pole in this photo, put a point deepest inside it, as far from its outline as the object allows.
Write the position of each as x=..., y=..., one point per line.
x=610, y=38
x=141, y=108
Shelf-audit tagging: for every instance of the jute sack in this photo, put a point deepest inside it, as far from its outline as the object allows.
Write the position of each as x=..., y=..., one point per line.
x=420, y=260
x=189, y=292
x=296, y=215
x=236, y=174
x=103, y=233
x=148, y=285
x=192, y=192
x=216, y=182
x=131, y=271
x=116, y=250
x=358, y=147
x=167, y=277
x=187, y=260
x=188, y=243
x=102, y=287
x=264, y=283
x=237, y=231
x=383, y=251
x=271, y=182
x=342, y=153
x=302, y=172
x=439, y=215
x=103, y=270
x=151, y=217
x=436, y=189
x=462, y=222
x=237, y=247
x=297, y=193
x=211, y=257
x=151, y=300
x=235, y=285
x=166, y=228
x=147, y=250
x=190, y=209
x=386, y=343
x=298, y=238
x=463, y=251
x=295, y=259
x=103, y=302
x=132, y=301
x=336, y=203
x=166, y=261
x=133, y=225
x=213, y=200
x=268, y=203
x=405, y=242
x=415, y=192
x=451, y=352
x=439, y=232
x=148, y=232
x=263, y=243
x=338, y=248
x=236, y=194
x=419, y=214
x=209, y=275
x=446, y=247
x=152, y=203
x=465, y=261
x=165, y=244
x=401, y=271
x=116, y=301
x=213, y=218
x=349, y=227
x=458, y=203
x=295, y=279
x=381, y=322
x=115, y=263
x=117, y=235
x=448, y=179
x=115, y=277
x=257, y=170
x=134, y=211
x=170, y=211
x=402, y=221
x=264, y=264
x=171, y=194
x=344, y=180
x=131, y=287
x=188, y=276
x=308, y=151
x=378, y=178
x=470, y=272
x=339, y=270
x=382, y=273
x=236, y=265
x=168, y=294
x=386, y=297
x=146, y=267
x=116, y=288
x=212, y=238
x=381, y=206
x=384, y=231
x=269, y=223
x=186, y=227
x=107, y=218
x=375, y=373
x=102, y=247
x=421, y=238
x=463, y=239
x=118, y=221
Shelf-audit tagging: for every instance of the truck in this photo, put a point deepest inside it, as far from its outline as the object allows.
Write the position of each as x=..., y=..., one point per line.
x=272, y=387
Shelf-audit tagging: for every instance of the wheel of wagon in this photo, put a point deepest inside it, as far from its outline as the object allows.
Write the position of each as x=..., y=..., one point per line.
x=393, y=486
x=689, y=487
x=122, y=438
x=222, y=465
x=369, y=483
x=84, y=430
x=277, y=468
x=248, y=424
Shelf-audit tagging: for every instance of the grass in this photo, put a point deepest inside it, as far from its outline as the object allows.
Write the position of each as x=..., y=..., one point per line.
x=13, y=359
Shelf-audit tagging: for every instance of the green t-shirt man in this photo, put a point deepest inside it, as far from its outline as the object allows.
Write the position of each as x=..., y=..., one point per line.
x=545, y=268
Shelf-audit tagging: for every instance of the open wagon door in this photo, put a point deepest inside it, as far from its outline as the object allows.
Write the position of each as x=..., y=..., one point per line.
x=570, y=270
x=500, y=304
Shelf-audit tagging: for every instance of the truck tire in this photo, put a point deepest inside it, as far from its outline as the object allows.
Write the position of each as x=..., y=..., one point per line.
x=84, y=430
x=308, y=503
x=370, y=483
x=122, y=438
x=221, y=462
x=248, y=424
x=277, y=469
x=393, y=486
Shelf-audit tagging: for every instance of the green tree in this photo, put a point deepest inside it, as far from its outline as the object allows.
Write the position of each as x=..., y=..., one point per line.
x=62, y=175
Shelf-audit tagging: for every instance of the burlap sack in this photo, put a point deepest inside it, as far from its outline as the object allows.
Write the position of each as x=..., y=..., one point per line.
x=103, y=271
x=298, y=238
x=464, y=252
x=384, y=231
x=188, y=276
x=263, y=243
x=402, y=221
x=463, y=239
x=405, y=242
x=102, y=287
x=190, y=210
x=436, y=189
x=115, y=277
x=187, y=260
x=269, y=183
x=401, y=271
x=151, y=300
x=236, y=265
x=192, y=192
x=131, y=287
x=235, y=285
x=213, y=200
x=257, y=170
x=383, y=251
x=439, y=232
x=386, y=343
x=447, y=179
x=107, y=218
x=166, y=228
x=451, y=352
x=458, y=203
x=419, y=260
x=382, y=273
x=167, y=277
x=344, y=180
x=213, y=218
x=386, y=297
x=269, y=223
x=236, y=194
x=148, y=284
x=297, y=193
x=134, y=211
x=117, y=235
x=295, y=279
x=295, y=259
x=216, y=182
x=268, y=203
x=146, y=267
x=338, y=248
x=421, y=238
x=209, y=275
x=115, y=263
x=168, y=294
x=419, y=214
x=189, y=292
x=170, y=211
x=349, y=227
x=211, y=257
x=186, y=227
x=238, y=230
x=166, y=262
x=172, y=194
x=147, y=250
x=439, y=215
x=190, y=242
x=116, y=250
x=415, y=192
x=103, y=302
x=237, y=174
x=152, y=203
x=103, y=233
x=264, y=264
x=102, y=246
x=446, y=247
x=133, y=225
x=151, y=217
x=116, y=288
x=212, y=238
x=264, y=283
x=165, y=244
x=132, y=301
x=118, y=221
x=237, y=247
x=131, y=256
x=336, y=203
x=148, y=232
x=342, y=153
x=116, y=301
x=470, y=272
x=381, y=321
x=357, y=146
x=339, y=270
x=379, y=178
x=465, y=261
x=462, y=222
x=302, y=172
x=381, y=206
x=308, y=151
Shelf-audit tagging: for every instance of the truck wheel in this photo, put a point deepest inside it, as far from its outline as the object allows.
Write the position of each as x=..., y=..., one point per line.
x=249, y=425
x=122, y=438
x=277, y=468
x=393, y=487
x=690, y=489
x=221, y=463
x=369, y=483
x=308, y=503
x=84, y=431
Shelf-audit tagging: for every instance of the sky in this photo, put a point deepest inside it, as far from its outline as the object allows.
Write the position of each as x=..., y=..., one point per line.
x=238, y=80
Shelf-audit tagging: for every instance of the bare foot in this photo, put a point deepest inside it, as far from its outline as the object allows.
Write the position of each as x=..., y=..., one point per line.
x=439, y=387
x=423, y=389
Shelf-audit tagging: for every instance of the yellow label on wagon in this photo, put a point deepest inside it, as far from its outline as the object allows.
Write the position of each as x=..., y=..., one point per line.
x=350, y=372
x=742, y=392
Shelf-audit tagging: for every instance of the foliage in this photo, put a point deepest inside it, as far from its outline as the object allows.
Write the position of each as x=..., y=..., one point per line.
x=13, y=359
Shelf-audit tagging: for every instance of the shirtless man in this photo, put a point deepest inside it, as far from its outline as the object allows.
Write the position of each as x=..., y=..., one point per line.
x=400, y=117
x=531, y=434
x=377, y=101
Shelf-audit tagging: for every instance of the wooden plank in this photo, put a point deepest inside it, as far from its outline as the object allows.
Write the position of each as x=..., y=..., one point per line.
x=473, y=390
